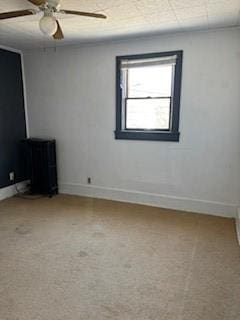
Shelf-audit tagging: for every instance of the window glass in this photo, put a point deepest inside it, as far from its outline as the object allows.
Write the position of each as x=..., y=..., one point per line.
x=152, y=81
x=148, y=114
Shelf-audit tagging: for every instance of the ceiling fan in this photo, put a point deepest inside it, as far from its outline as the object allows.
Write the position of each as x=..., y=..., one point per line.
x=48, y=24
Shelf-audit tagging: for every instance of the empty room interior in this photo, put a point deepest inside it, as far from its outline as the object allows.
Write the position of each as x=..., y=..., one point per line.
x=120, y=160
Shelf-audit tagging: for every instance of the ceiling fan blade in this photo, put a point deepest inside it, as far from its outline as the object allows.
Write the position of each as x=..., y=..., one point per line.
x=15, y=14
x=86, y=14
x=37, y=2
x=59, y=34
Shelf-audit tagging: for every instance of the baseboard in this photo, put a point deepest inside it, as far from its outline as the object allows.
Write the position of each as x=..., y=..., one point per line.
x=157, y=200
x=238, y=225
x=10, y=191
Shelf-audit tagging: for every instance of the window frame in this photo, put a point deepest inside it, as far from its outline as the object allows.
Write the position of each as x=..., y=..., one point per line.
x=148, y=134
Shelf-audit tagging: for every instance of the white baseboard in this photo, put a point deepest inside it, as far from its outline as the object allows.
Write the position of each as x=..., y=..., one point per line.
x=157, y=200
x=238, y=225
x=11, y=190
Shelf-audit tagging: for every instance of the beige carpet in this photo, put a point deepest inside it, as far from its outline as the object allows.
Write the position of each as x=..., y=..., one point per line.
x=72, y=258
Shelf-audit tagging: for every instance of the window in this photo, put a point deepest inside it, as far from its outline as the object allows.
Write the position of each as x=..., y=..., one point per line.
x=148, y=96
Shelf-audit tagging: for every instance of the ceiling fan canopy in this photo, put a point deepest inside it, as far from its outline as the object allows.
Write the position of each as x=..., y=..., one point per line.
x=48, y=24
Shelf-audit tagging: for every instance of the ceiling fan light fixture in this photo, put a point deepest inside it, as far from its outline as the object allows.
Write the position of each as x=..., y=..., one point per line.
x=48, y=25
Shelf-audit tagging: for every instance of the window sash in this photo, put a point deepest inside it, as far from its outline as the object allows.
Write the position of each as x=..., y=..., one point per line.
x=125, y=98
x=124, y=84
x=145, y=129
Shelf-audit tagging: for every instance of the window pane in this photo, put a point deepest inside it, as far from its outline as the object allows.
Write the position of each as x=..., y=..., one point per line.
x=147, y=114
x=152, y=81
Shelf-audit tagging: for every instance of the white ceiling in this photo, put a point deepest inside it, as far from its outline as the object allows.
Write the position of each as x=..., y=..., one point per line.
x=125, y=18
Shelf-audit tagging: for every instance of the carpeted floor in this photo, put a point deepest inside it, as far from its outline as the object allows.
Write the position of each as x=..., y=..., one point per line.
x=72, y=258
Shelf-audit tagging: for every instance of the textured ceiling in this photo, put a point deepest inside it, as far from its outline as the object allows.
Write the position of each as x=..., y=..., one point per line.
x=125, y=18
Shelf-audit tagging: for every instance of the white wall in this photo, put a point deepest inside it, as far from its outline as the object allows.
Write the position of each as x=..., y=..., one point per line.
x=71, y=96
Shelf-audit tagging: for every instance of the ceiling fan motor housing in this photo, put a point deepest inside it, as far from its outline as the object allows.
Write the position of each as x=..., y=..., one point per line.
x=51, y=5
x=54, y=3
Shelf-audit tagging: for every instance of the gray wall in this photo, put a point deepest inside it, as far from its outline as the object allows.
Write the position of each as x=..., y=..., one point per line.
x=12, y=117
x=71, y=96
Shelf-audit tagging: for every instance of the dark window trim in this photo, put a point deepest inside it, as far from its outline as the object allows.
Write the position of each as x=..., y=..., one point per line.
x=154, y=135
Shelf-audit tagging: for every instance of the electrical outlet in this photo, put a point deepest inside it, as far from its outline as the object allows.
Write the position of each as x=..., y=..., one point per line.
x=11, y=176
x=89, y=180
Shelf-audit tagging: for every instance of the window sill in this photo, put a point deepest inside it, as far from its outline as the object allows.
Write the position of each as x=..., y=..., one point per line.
x=144, y=135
